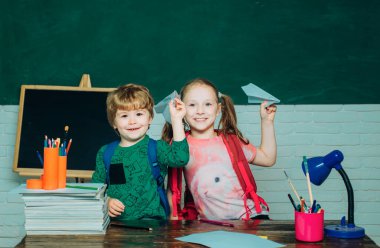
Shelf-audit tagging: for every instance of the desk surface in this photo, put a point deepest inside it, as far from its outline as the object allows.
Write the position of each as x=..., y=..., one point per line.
x=163, y=235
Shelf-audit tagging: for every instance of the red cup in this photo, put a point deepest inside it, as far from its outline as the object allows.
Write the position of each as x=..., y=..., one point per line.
x=309, y=226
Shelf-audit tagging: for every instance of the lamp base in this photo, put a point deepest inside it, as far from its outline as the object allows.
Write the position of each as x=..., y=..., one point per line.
x=349, y=231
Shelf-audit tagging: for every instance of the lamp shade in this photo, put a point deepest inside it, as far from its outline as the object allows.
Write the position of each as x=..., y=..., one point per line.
x=320, y=167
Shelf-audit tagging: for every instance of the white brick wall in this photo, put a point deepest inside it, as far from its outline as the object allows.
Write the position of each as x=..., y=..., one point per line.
x=310, y=130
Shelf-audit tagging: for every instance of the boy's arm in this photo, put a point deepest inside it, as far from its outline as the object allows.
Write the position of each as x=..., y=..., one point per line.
x=267, y=151
x=175, y=154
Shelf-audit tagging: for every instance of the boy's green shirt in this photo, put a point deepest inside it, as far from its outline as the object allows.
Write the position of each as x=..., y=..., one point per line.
x=139, y=193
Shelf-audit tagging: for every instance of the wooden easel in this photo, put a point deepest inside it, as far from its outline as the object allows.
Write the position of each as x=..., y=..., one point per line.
x=85, y=82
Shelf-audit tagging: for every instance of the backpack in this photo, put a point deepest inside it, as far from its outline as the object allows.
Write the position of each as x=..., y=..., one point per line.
x=154, y=165
x=242, y=170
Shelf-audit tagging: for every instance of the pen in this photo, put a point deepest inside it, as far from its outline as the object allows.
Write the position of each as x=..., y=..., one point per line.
x=291, y=200
x=219, y=223
x=40, y=157
x=132, y=227
x=81, y=187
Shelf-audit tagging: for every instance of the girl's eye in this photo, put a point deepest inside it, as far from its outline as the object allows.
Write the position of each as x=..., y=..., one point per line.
x=208, y=104
x=140, y=114
x=124, y=116
x=191, y=105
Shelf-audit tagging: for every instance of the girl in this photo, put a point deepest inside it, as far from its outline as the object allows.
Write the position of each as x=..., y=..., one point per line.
x=209, y=174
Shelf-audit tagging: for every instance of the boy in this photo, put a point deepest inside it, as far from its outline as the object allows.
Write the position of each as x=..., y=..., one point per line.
x=132, y=190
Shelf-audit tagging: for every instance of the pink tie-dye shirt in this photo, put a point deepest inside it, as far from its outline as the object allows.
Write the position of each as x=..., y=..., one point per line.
x=213, y=182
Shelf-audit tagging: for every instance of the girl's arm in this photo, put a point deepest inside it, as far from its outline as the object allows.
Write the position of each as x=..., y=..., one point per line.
x=177, y=112
x=267, y=151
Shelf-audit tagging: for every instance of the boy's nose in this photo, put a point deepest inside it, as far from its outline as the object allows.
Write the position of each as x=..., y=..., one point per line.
x=131, y=121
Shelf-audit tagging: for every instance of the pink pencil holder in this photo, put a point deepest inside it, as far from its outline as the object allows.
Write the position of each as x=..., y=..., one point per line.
x=309, y=227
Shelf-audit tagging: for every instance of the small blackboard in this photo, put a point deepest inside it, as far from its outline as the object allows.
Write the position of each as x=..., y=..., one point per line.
x=46, y=110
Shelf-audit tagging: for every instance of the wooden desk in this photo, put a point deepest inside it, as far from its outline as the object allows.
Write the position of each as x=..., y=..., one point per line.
x=163, y=235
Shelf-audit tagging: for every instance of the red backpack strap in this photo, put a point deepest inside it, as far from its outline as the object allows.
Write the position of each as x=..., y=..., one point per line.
x=189, y=211
x=243, y=172
x=175, y=184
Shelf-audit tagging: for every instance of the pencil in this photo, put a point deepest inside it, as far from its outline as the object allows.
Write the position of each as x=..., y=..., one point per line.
x=131, y=227
x=293, y=188
x=81, y=187
x=308, y=180
x=291, y=200
x=68, y=146
x=40, y=157
x=215, y=222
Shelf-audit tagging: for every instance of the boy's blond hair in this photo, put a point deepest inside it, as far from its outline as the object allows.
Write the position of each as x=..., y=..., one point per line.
x=128, y=97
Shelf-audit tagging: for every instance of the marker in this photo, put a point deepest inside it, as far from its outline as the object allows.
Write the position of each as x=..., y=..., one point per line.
x=302, y=205
x=81, y=187
x=219, y=223
x=317, y=207
x=313, y=206
x=45, y=141
x=40, y=157
x=131, y=227
x=291, y=200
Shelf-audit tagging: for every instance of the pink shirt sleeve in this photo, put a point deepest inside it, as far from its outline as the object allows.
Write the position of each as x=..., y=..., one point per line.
x=249, y=151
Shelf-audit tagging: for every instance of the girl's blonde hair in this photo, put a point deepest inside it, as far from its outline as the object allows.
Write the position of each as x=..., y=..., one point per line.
x=128, y=97
x=228, y=121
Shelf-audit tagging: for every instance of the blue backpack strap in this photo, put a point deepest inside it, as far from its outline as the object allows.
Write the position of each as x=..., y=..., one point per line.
x=155, y=167
x=107, y=155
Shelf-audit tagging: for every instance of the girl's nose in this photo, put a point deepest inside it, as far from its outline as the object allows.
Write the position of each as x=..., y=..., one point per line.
x=199, y=109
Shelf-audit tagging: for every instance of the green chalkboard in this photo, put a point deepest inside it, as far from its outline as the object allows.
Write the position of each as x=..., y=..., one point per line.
x=302, y=52
x=46, y=110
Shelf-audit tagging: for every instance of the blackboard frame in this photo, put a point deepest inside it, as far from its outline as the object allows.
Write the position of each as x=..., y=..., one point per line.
x=54, y=92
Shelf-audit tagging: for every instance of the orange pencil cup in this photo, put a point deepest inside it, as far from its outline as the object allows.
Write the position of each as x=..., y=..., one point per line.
x=50, y=176
x=309, y=227
x=62, y=167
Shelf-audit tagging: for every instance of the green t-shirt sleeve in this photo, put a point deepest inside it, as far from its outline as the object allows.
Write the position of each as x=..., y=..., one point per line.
x=99, y=176
x=174, y=155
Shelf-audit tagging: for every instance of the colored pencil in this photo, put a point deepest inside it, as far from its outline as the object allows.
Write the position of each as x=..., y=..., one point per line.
x=215, y=222
x=292, y=186
x=308, y=180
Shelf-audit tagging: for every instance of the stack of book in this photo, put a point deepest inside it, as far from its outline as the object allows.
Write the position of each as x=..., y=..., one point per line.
x=77, y=209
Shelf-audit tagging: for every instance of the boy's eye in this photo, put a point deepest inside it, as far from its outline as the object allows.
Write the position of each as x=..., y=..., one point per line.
x=140, y=114
x=124, y=116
